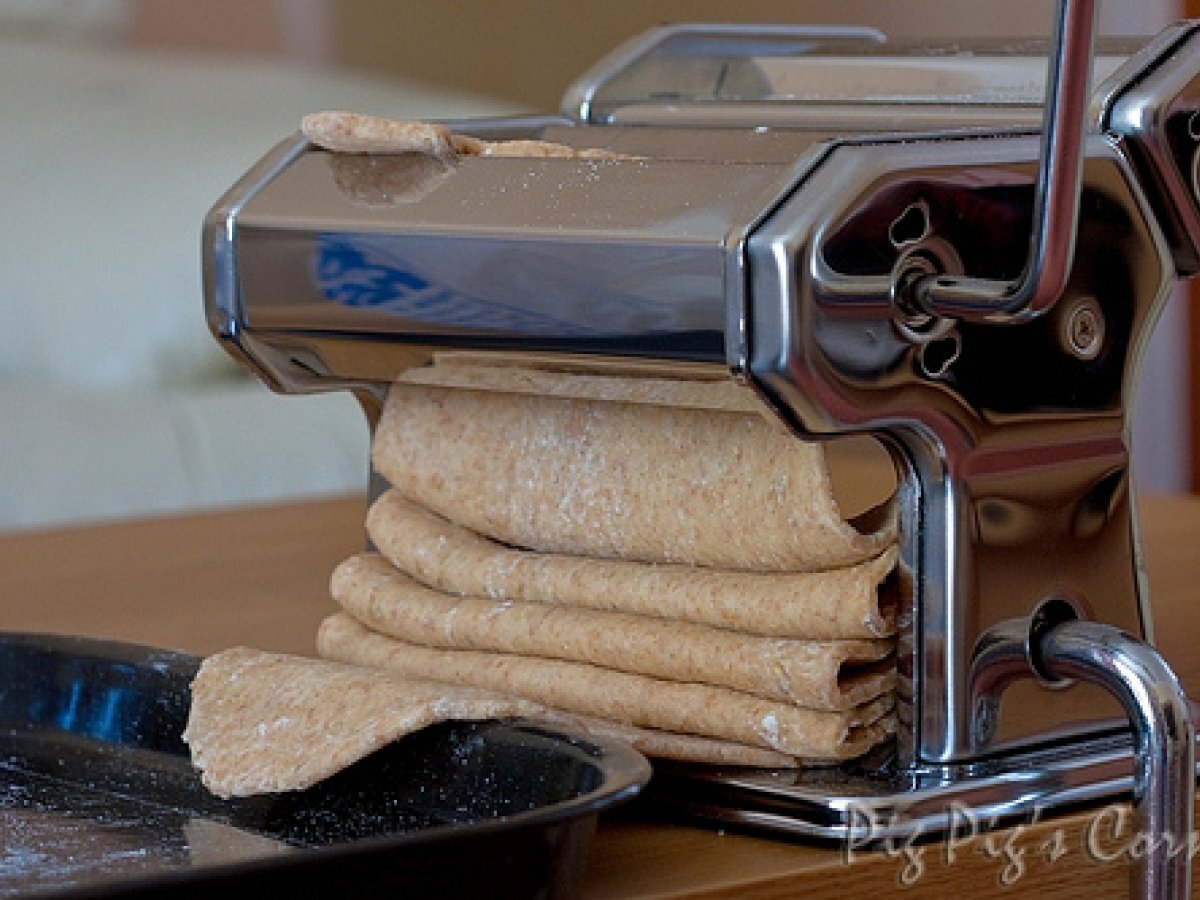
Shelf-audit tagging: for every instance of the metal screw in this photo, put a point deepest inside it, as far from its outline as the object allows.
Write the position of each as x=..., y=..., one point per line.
x=1193, y=126
x=1085, y=329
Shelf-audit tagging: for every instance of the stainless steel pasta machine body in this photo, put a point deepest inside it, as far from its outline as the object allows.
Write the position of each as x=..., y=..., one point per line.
x=762, y=223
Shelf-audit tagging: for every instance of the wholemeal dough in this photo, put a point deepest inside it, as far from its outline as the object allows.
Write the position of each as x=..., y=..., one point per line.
x=265, y=722
x=864, y=474
x=459, y=369
x=849, y=602
x=681, y=747
x=828, y=675
x=348, y=132
x=633, y=481
x=627, y=699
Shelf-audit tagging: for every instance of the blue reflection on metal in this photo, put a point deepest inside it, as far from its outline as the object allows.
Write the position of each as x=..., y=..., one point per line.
x=100, y=714
x=356, y=273
x=71, y=703
x=108, y=718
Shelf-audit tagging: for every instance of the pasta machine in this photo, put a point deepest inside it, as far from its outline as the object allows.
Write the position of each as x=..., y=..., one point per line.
x=958, y=250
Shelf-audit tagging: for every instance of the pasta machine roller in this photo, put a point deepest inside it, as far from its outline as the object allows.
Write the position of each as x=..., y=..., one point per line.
x=958, y=250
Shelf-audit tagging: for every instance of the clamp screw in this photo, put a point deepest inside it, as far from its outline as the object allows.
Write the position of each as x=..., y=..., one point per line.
x=1085, y=329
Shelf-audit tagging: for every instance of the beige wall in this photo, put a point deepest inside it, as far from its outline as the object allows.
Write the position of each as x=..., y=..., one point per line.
x=299, y=30
x=529, y=50
x=237, y=26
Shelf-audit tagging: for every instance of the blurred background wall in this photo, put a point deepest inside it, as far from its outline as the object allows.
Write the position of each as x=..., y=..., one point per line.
x=527, y=51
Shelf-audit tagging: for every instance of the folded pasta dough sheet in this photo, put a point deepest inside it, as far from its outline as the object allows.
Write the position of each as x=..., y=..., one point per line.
x=849, y=602
x=462, y=370
x=265, y=722
x=828, y=675
x=662, y=484
x=624, y=698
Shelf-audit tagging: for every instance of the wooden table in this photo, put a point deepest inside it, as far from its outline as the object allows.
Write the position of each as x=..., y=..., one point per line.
x=259, y=577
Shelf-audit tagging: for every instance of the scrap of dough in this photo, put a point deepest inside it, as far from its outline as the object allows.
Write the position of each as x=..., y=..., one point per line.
x=530, y=149
x=831, y=605
x=636, y=700
x=827, y=675
x=348, y=132
x=632, y=481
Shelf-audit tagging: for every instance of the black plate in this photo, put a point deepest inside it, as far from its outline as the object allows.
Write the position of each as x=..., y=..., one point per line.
x=98, y=797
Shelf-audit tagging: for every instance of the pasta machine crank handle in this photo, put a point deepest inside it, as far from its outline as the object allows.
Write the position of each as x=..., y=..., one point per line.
x=1056, y=199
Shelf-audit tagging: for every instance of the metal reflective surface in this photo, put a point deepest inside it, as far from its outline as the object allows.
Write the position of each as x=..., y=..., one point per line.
x=969, y=297
x=691, y=62
x=1014, y=436
x=634, y=257
x=1056, y=645
x=1154, y=109
x=873, y=802
x=1164, y=736
x=850, y=79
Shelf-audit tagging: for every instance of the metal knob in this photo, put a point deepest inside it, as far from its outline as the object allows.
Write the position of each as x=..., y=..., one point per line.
x=1164, y=737
x=1164, y=742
